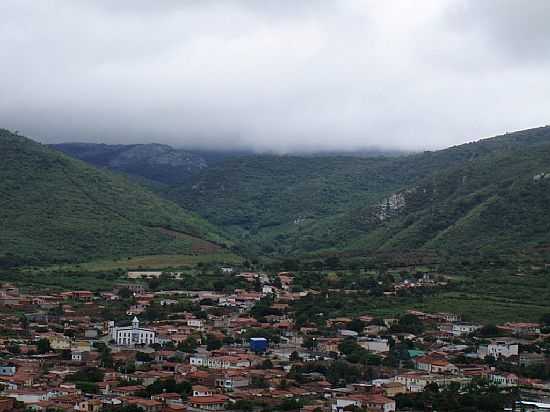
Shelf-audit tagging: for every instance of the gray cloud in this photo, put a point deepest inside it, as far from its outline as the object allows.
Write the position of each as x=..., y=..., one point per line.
x=517, y=28
x=274, y=75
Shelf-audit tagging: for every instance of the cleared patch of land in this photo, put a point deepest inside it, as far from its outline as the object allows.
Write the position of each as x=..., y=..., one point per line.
x=489, y=296
x=480, y=308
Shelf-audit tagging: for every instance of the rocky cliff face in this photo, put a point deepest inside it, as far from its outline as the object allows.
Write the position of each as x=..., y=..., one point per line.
x=157, y=162
x=157, y=154
x=391, y=205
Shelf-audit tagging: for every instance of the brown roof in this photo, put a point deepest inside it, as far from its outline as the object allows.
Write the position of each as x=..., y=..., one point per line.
x=207, y=400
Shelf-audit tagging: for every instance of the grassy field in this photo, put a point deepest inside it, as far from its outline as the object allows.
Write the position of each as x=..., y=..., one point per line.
x=105, y=274
x=151, y=262
x=60, y=281
x=471, y=307
x=480, y=308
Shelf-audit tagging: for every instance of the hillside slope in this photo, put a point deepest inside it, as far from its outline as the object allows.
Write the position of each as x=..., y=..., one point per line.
x=436, y=200
x=55, y=208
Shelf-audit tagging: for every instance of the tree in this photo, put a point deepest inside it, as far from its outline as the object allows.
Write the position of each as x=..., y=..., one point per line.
x=257, y=285
x=489, y=331
x=128, y=408
x=267, y=364
x=14, y=348
x=124, y=293
x=87, y=387
x=213, y=343
x=243, y=405
x=57, y=310
x=348, y=345
x=228, y=340
x=259, y=382
x=188, y=345
x=341, y=372
x=432, y=387
x=291, y=405
x=332, y=262
x=43, y=346
x=24, y=322
x=143, y=357
x=263, y=308
x=357, y=325
x=154, y=312
x=106, y=359
x=169, y=385
x=545, y=319
x=295, y=357
x=310, y=343
x=290, y=264
x=87, y=374
x=153, y=283
x=410, y=324
x=272, y=335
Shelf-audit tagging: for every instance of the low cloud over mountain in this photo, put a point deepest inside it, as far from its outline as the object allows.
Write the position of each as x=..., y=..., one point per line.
x=274, y=75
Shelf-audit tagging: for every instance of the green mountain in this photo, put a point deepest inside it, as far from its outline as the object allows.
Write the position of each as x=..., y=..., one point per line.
x=259, y=197
x=481, y=196
x=492, y=204
x=55, y=208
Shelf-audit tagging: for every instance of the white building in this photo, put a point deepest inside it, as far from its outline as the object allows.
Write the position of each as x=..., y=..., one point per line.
x=460, y=329
x=133, y=335
x=369, y=402
x=198, y=360
x=7, y=370
x=195, y=323
x=152, y=274
x=499, y=349
x=200, y=390
x=268, y=289
x=76, y=356
x=376, y=345
x=220, y=362
x=503, y=379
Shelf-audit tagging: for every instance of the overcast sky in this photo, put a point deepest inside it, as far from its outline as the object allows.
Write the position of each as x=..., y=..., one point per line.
x=277, y=75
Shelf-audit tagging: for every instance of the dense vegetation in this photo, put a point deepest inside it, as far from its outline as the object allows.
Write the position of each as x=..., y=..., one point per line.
x=486, y=198
x=480, y=197
x=492, y=204
x=476, y=397
x=492, y=293
x=55, y=208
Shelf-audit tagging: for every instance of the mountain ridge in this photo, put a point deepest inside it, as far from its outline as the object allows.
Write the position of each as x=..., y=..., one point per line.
x=307, y=205
x=292, y=204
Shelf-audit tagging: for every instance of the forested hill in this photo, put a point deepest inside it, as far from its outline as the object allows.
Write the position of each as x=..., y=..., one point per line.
x=491, y=204
x=482, y=195
x=56, y=208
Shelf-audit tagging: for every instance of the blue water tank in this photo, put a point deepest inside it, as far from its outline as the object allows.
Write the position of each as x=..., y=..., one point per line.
x=258, y=344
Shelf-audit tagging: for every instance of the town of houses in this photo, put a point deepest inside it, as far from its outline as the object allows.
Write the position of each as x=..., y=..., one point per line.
x=61, y=351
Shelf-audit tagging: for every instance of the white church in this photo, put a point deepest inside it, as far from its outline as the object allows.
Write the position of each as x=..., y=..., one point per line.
x=132, y=335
